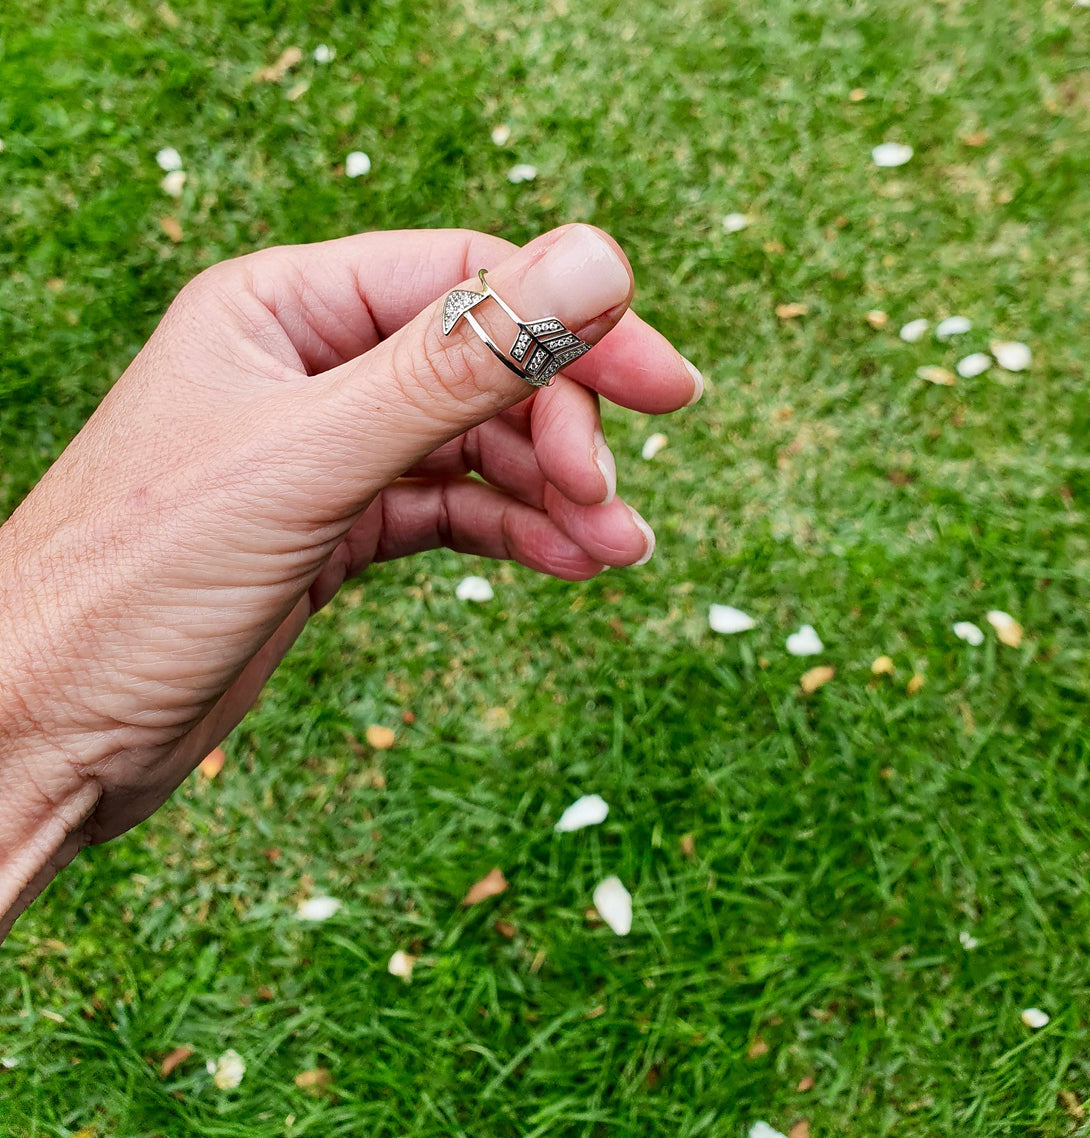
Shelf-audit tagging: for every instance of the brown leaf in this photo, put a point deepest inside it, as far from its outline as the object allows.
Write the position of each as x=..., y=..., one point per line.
x=801, y=1129
x=816, y=678
x=806, y=1083
x=314, y=1080
x=915, y=684
x=757, y=1048
x=687, y=845
x=380, y=738
x=977, y=138
x=212, y=763
x=491, y=885
x=276, y=71
x=264, y=992
x=408, y=717
x=175, y=1059
x=172, y=228
x=944, y=377
x=792, y=310
x=1070, y=1102
x=505, y=929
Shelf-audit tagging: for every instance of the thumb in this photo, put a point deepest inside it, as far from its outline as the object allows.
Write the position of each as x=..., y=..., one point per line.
x=420, y=387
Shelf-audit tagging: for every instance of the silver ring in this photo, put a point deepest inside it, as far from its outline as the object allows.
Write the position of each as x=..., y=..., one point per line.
x=540, y=348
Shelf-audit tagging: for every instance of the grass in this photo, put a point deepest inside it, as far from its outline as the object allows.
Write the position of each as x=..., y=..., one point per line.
x=842, y=840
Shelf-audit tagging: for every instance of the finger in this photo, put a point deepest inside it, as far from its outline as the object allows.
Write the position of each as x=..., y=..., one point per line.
x=637, y=367
x=376, y=416
x=471, y=517
x=614, y=534
x=496, y=450
x=569, y=444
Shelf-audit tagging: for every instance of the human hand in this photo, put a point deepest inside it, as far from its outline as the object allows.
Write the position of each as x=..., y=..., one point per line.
x=291, y=420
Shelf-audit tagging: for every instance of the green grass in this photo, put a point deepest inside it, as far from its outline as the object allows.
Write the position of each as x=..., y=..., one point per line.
x=842, y=840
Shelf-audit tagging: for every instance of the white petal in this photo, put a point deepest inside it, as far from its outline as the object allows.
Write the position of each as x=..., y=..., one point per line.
x=401, y=965
x=727, y=619
x=1011, y=355
x=999, y=620
x=169, y=159
x=1035, y=1018
x=474, y=589
x=972, y=365
x=323, y=53
x=734, y=222
x=968, y=941
x=969, y=632
x=654, y=444
x=173, y=183
x=501, y=134
x=914, y=331
x=357, y=164
x=9, y=1062
x=805, y=642
x=522, y=172
x=229, y=1069
x=589, y=810
x=891, y=154
x=317, y=908
x=614, y=905
x=953, y=326
x=763, y=1130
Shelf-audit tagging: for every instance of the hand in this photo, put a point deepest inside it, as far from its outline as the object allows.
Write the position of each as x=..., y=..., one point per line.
x=292, y=420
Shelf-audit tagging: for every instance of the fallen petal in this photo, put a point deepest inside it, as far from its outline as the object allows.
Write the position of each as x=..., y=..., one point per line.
x=968, y=941
x=791, y=311
x=1035, y=1018
x=800, y=1129
x=915, y=685
x=727, y=619
x=816, y=678
x=589, y=810
x=323, y=53
x=891, y=154
x=654, y=444
x=401, y=965
x=173, y=183
x=380, y=738
x=491, y=885
x=1011, y=355
x=953, y=326
x=876, y=318
x=614, y=905
x=914, y=331
x=317, y=908
x=228, y=1070
x=940, y=375
x=763, y=1130
x=972, y=365
x=168, y=159
x=969, y=632
x=521, y=172
x=883, y=666
x=315, y=1079
x=735, y=222
x=1006, y=627
x=357, y=164
x=172, y=228
x=501, y=134
x=805, y=642
x=474, y=589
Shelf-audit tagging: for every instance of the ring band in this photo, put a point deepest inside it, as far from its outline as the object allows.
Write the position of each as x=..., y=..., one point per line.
x=540, y=348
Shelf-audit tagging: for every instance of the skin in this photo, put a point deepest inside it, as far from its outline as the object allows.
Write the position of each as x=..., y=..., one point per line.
x=296, y=417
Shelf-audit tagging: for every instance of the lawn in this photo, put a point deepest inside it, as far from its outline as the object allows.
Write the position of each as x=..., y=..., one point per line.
x=843, y=899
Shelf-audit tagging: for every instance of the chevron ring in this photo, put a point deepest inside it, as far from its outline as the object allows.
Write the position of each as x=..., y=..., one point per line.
x=540, y=348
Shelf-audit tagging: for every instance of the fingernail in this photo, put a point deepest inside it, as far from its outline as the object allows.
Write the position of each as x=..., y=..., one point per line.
x=607, y=464
x=649, y=536
x=698, y=382
x=583, y=273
